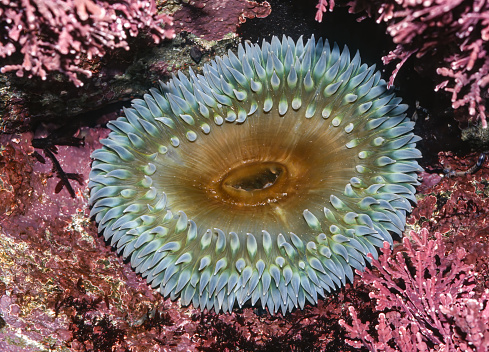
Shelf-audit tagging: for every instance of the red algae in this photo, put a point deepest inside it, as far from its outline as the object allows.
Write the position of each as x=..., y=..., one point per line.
x=62, y=286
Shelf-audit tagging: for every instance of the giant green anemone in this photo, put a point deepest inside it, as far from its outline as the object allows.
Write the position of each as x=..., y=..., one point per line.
x=268, y=178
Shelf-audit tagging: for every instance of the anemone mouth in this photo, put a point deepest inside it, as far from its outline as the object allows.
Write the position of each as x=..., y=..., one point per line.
x=267, y=179
x=253, y=184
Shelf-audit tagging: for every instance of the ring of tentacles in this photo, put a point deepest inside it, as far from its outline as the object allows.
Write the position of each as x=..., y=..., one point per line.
x=267, y=179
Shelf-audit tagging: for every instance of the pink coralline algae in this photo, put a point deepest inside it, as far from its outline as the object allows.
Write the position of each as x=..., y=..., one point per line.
x=453, y=204
x=427, y=301
x=213, y=19
x=60, y=288
x=457, y=207
x=42, y=36
x=452, y=36
x=323, y=6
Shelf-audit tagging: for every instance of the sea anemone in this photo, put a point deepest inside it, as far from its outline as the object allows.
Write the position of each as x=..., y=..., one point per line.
x=268, y=178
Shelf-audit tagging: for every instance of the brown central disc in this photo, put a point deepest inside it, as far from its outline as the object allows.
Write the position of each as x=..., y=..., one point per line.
x=258, y=175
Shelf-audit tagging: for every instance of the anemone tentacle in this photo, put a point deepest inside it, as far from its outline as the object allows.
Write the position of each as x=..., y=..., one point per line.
x=267, y=179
